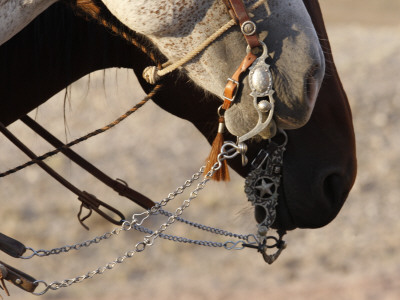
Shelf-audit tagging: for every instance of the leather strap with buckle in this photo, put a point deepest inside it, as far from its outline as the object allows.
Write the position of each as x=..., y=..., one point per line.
x=232, y=86
x=238, y=12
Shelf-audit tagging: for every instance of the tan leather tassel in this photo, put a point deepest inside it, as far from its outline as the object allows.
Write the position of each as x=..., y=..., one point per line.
x=223, y=172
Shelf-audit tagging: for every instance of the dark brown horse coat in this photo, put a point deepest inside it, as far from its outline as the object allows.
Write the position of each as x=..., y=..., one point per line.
x=59, y=47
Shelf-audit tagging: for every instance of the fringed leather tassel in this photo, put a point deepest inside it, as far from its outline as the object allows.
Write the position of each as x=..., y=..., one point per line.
x=223, y=172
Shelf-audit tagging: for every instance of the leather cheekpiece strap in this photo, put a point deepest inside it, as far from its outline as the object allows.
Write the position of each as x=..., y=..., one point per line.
x=239, y=13
x=119, y=186
x=233, y=82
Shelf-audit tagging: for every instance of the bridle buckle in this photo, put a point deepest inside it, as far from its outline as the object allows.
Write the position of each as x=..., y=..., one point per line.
x=235, y=89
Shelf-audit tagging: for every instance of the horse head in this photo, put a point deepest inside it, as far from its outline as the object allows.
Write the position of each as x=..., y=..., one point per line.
x=319, y=163
x=294, y=53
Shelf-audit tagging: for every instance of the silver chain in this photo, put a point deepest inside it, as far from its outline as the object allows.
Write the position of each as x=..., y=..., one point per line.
x=124, y=227
x=228, y=150
x=229, y=245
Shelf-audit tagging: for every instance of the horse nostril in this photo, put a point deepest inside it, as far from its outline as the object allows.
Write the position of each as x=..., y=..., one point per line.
x=312, y=85
x=333, y=189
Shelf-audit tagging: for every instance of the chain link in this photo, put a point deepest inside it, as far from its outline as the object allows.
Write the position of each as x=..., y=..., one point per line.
x=207, y=228
x=148, y=240
x=124, y=227
x=77, y=246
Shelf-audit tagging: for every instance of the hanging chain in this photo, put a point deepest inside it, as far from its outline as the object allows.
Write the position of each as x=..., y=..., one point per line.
x=127, y=225
x=228, y=150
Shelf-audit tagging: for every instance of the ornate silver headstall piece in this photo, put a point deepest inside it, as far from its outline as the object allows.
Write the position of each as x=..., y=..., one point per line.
x=262, y=183
x=261, y=188
x=260, y=81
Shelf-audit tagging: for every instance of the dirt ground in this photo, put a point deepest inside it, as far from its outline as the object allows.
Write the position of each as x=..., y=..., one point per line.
x=356, y=257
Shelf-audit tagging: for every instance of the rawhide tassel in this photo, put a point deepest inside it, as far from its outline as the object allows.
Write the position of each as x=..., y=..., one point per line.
x=223, y=173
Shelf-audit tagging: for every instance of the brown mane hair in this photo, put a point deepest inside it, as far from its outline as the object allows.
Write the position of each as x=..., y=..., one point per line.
x=97, y=11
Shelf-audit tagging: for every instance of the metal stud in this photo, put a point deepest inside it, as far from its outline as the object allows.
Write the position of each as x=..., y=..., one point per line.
x=263, y=230
x=248, y=28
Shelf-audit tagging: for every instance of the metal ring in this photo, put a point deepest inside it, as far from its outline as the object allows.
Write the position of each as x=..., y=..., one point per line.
x=264, y=47
x=46, y=287
x=220, y=114
x=29, y=256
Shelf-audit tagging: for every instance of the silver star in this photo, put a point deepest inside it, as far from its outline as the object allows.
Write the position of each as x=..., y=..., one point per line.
x=264, y=188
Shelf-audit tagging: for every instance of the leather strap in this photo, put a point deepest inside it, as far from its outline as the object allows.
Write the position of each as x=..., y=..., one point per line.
x=122, y=189
x=238, y=12
x=88, y=201
x=16, y=277
x=11, y=246
x=233, y=82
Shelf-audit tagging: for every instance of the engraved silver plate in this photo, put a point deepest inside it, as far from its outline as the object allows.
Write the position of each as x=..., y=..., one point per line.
x=260, y=81
x=261, y=184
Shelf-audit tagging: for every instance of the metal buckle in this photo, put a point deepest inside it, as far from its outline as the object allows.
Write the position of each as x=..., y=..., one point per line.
x=236, y=89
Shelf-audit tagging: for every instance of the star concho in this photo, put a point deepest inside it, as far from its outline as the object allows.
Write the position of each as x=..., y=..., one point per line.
x=262, y=183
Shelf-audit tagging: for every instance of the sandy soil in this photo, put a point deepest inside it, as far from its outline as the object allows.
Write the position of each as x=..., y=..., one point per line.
x=355, y=257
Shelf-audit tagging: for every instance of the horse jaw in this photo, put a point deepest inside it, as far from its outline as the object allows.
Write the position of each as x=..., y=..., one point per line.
x=15, y=15
x=178, y=27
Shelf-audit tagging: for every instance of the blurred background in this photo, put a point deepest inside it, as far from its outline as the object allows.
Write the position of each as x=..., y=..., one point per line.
x=355, y=257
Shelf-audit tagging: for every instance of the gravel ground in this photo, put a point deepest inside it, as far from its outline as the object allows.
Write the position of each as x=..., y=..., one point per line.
x=355, y=257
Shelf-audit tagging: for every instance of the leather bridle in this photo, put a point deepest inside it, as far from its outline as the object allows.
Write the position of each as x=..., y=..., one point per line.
x=238, y=12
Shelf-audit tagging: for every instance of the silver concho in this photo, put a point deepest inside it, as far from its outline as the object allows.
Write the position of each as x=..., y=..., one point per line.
x=262, y=183
x=260, y=81
x=260, y=78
